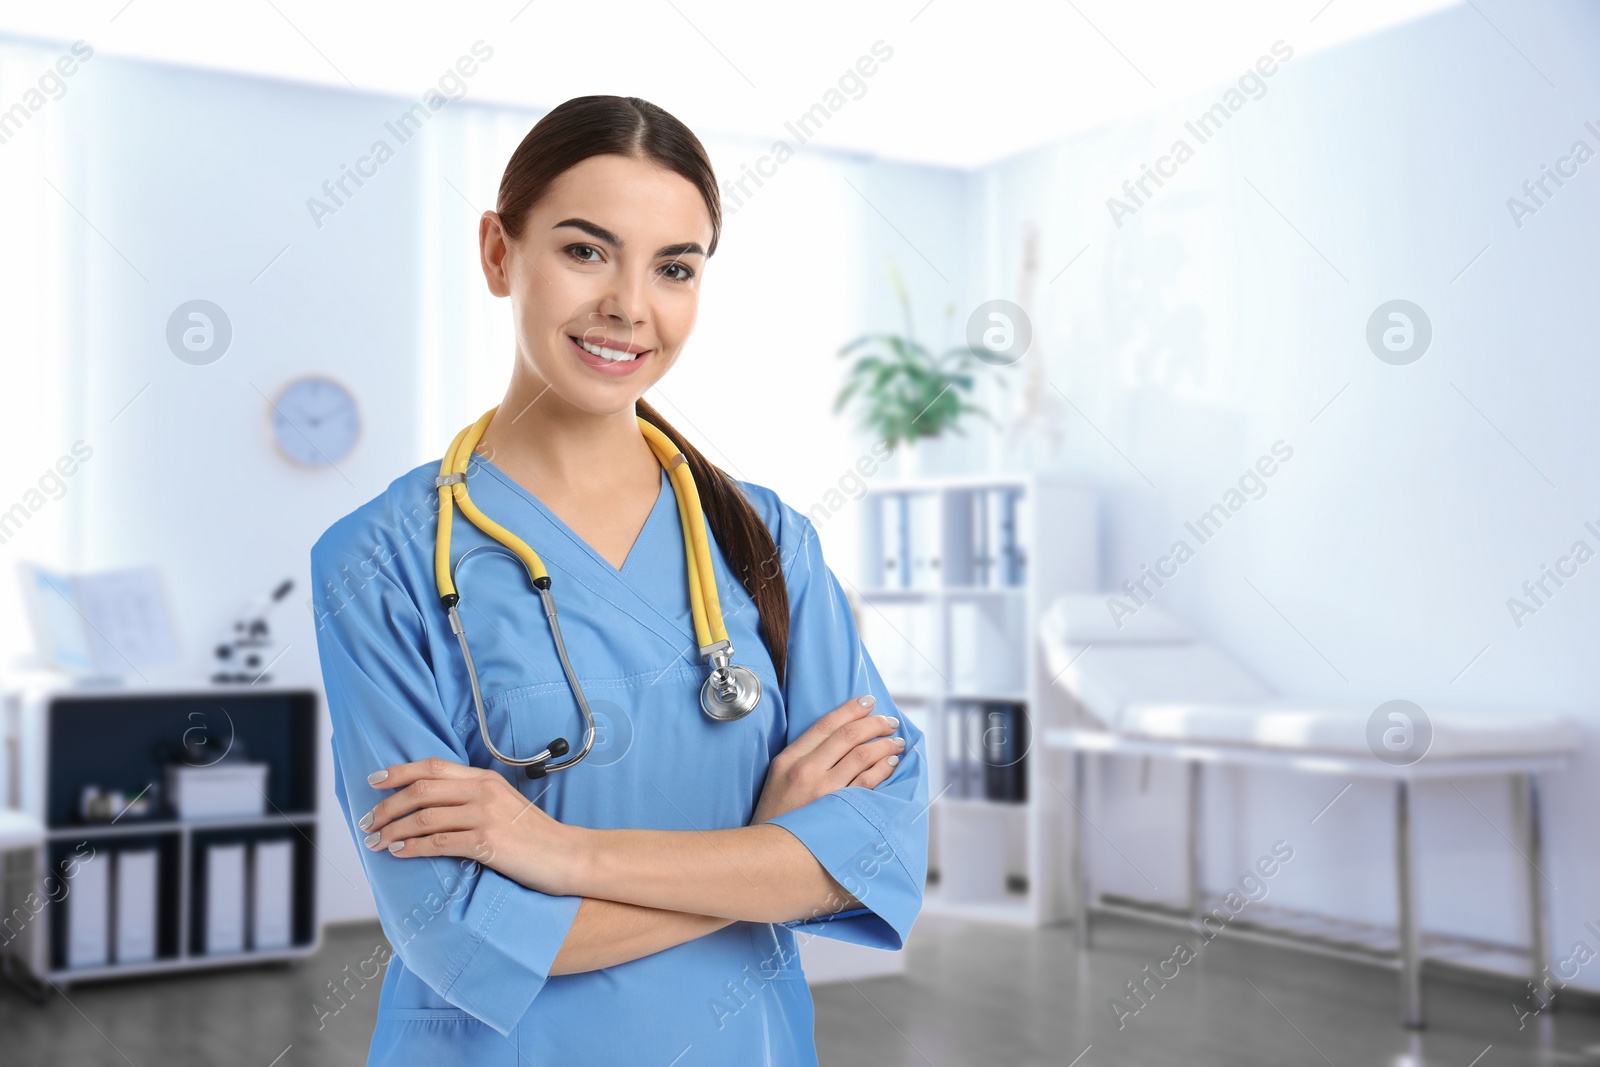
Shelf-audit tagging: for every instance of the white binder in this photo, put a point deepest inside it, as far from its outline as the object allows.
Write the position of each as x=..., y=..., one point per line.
x=955, y=743
x=974, y=761
x=977, y=648
x=988, y=642
x=271, y=886
x=922, y=646
x=983, y=563
x=923, y=517
x=882, y=630
x=893, y=540
x=224, y=928
x=1021, y=520
x=136, y=905
x=89, y=912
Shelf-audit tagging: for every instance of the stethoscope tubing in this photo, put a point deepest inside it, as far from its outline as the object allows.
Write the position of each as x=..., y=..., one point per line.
x=460, y=630
x=729, y=693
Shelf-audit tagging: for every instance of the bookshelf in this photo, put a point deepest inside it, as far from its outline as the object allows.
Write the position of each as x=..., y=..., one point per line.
x=60, y=741
x=949, y=614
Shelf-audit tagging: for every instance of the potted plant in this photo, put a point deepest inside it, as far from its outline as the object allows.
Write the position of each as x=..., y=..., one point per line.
x=902, y=391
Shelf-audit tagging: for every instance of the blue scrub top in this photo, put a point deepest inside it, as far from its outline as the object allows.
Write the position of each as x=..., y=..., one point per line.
x=469, y=980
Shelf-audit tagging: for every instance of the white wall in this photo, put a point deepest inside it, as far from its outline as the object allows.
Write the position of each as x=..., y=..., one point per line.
x=1205, y=328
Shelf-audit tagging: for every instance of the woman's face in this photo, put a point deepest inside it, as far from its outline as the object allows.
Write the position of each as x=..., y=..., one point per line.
x=612, y=256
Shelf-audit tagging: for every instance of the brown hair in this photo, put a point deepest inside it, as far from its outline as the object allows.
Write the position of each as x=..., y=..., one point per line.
x=628, y=126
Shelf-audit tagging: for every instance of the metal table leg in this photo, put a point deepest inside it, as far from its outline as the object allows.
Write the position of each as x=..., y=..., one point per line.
x=1525, y=800
x=1080, y=866
x=1192, y=842
x=1406, y=889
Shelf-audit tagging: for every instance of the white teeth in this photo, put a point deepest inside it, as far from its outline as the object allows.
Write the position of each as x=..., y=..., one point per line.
x=606, y=353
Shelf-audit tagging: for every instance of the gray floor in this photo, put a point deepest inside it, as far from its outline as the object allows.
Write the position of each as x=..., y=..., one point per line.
x=973, y=994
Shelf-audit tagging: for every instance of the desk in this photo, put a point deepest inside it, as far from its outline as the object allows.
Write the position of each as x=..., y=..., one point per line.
x=1521, y=770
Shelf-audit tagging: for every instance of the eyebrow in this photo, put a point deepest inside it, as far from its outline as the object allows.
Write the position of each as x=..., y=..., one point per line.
x=600, y=233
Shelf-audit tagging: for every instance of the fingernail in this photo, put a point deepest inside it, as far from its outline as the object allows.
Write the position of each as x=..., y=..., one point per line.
x=366, y=821
x=894, y=761
x=867, y=701
x=377, y=776
x=372, y=839
x=901, y=742
x=893, y=722
x=397, y=846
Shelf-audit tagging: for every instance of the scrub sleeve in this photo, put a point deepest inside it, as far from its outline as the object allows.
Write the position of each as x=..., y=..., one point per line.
x=873, y=841
x=481, y=941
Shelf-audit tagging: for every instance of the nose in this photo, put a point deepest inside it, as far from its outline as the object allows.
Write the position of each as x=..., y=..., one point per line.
x=624, y=302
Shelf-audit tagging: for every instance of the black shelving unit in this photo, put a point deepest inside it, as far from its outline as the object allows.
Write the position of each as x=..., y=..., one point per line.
x=122, y=738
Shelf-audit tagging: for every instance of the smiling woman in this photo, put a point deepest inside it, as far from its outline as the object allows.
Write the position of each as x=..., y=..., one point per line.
x=602, y=916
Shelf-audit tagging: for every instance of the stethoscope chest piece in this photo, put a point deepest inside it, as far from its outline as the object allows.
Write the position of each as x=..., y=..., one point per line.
x=732, y=697
x=731, y=692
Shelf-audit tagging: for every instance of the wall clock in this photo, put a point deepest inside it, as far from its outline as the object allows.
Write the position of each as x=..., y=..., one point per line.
x=315, y=421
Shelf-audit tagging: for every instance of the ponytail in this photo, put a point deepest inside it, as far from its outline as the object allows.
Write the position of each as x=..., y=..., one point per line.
x=746, y=542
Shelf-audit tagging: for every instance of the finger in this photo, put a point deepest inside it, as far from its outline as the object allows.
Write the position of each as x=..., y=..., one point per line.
x=819, y=731
x=423, y=793
x=424, y=823
x=859, y=759
x=838, y=745
x=464, y=843
x=399, y=775
x=878, y=773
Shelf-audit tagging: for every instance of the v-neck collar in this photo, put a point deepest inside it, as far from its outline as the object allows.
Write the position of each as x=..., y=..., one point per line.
x=664, y=498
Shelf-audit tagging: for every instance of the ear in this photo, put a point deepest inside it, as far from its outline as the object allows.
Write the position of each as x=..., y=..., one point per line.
x=493, y=249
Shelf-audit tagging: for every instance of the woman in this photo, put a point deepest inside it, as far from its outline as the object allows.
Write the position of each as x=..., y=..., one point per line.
x=639, y=907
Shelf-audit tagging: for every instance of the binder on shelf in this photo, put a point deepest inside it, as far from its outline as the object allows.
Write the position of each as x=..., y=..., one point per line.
x=922, y=646
x=883, y=629
x=982, y=551
x=1005, y=752
x=979, y=655
x=1002, y=536
x=903, y=640
x=224, y=897
x=89, y=913
x=917, y=715
x=899, y=554
x=1021, y=516
x=922, y=517
x=271, y=887
x=972, y=759
x=955, y=771
x=994, y=535
x=136, y=896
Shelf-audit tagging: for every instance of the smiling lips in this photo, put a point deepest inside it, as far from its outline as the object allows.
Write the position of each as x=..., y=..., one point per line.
x=613, y=358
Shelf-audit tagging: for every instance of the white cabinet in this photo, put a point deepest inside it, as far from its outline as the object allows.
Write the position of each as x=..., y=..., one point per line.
x=955, y=575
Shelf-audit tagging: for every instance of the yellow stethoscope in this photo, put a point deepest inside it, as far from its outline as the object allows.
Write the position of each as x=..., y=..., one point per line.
x=731, y=692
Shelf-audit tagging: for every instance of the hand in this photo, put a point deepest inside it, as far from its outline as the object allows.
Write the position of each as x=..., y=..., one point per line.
x=847, y=746
x=443, y=808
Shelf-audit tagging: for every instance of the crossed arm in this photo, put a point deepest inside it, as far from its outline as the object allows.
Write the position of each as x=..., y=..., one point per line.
x=643, y=890
x=759, y=873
